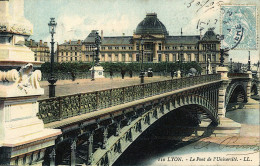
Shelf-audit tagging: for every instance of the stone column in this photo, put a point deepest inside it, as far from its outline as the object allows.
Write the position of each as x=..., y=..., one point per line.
x=155, y=57
x=73, y=153
x=222, y=91
x=90, y=148
x=4, y=8
x=249, y=85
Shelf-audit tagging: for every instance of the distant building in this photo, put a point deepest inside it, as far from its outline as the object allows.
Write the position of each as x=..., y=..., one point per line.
x=41, y=50
x=70, y=51
x=158, y=46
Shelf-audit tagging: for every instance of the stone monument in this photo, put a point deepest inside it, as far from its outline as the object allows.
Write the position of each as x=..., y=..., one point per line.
x=23, y=138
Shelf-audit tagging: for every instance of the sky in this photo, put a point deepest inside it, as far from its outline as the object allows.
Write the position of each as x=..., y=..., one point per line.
x=76, y=18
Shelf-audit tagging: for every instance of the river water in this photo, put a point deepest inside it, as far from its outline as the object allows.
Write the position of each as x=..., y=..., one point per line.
x=155, y=148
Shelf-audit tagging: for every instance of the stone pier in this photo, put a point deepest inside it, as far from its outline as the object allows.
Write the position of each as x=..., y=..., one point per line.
x=23, y=138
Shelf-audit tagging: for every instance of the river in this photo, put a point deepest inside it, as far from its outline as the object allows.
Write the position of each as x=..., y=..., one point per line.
x=155, y=148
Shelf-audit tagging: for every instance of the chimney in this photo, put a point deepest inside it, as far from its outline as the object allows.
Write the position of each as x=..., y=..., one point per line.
x=70, y=41
x=78, y=41
x=123, y=34
x=102, y=35
x=40, y=42
x=31, y=42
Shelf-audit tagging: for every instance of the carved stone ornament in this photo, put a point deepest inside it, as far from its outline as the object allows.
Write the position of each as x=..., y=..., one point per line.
x=24, y=82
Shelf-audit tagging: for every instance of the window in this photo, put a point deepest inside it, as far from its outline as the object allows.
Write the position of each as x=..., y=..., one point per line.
x=123, y=48
x=203, y=46
x=70, y=58
x=174, y=57
x=75, y=53
x=130, y=48
x=160, y=46
x=137, y=58
x=66, y=53
x=71, y=48
x=189, y=47
x=159, y=57
x=174, y=47
x=110, y=48
x=130, y=57
x=213, y=46
x=123, y=57
x=117, y=48
x=137, y=47
x=116, y=58
x=167, y=48
x=103, y=57
x=66, y=58
x=76, y=58
x=196, y=57
x=103, y=48
x=189, y=57
x=214, y=58
x=109, y=58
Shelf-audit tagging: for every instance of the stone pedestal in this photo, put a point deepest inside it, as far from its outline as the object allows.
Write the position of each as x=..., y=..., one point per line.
x=23, y=138
x=98, y=72
x=178, y=74
x=222, y=91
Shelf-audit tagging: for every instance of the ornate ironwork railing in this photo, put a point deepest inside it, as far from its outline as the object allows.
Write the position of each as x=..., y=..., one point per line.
x=240, y=75
x=58, y=108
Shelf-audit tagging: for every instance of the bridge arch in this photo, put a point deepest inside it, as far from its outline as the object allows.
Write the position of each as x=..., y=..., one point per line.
x=236, y=93
x=254, y=90
x=131, y=132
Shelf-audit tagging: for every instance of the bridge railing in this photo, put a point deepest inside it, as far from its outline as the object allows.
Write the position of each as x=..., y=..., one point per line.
x=58, y=108
x=240, y=75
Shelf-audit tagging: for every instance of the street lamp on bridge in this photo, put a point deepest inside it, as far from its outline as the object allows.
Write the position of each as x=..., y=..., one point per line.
x=231, y=66
x=142, y=68
x=181, y=59
x=52, y=80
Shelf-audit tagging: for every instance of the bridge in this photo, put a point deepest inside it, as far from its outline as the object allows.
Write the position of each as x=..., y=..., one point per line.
x=97, y=127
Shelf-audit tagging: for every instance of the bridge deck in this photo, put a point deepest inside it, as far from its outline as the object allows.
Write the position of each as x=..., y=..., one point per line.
x=106, y=111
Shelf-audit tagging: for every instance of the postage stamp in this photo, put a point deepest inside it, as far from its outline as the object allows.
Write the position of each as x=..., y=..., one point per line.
x=239, y=26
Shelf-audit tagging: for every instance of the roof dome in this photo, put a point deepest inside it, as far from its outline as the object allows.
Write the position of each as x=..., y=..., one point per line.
x=151, y=25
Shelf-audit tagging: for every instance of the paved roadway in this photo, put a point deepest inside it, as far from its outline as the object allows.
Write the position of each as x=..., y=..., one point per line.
x=67, y=87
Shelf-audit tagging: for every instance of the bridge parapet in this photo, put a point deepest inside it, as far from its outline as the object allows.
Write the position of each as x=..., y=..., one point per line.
x=238, y=75
x=56, y=109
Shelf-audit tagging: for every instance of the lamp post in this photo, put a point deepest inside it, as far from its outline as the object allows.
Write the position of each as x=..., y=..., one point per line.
x=231, y=66
x=249, y=63
x=52, y=80
x=166, y=56
x=97, y=49
x=93, y=70
x=142, y=70
x=181, y=47
x=207, y=71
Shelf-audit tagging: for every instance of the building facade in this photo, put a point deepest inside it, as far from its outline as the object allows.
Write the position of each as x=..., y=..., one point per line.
x=41, y=50
x=150, y=39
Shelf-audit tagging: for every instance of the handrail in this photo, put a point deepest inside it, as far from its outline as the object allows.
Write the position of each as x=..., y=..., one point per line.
x=240, y=75
x=58, y=108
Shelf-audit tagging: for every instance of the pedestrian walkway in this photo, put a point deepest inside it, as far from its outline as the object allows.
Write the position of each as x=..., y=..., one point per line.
x=68, y=87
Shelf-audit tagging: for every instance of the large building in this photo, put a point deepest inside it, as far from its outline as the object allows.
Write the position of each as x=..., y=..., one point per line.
x=158, y=46
x=41, y=50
